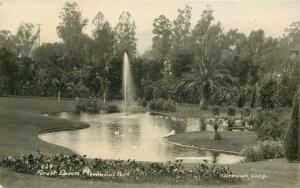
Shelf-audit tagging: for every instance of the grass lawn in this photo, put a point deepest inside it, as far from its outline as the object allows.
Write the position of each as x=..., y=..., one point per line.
x=231, y=140
x=21, y=122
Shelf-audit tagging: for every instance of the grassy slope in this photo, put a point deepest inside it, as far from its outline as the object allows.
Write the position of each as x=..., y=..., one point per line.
x=20, y=123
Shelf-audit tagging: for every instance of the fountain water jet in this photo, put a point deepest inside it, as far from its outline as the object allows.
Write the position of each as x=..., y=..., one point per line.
x=128, y=85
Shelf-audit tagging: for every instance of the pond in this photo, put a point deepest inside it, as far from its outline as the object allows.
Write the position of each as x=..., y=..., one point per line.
x=134, y=136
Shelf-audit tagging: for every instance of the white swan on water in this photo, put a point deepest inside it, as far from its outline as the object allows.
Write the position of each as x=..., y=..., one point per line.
x=170, y=133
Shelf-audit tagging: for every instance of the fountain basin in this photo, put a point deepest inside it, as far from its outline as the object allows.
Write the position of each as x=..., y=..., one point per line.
x=139, y=137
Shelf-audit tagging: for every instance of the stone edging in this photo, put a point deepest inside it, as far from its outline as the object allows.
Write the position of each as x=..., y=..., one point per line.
x=195, y=147
x=74, y=127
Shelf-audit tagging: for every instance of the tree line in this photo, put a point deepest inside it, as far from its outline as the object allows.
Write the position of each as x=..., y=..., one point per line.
x=203, y=63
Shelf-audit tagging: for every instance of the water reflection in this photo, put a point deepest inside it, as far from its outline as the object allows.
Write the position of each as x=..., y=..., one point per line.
x=138, y=136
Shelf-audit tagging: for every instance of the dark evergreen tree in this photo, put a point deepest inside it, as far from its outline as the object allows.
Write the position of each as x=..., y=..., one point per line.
x=267, y=94
x=291, y=140
x=241, y=100
x=253, y=97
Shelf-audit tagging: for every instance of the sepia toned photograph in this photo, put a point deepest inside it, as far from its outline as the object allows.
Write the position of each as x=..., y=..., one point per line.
x=149, y=93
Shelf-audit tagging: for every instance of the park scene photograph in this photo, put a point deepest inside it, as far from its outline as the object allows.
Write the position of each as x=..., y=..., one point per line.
x=153, y=93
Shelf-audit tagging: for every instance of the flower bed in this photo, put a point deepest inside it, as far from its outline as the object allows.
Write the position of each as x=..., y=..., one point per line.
x=117, y=170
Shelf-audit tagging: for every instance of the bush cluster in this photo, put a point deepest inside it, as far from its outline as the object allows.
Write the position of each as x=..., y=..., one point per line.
x=162, y=105
x=92, y=103
x=246, y=112
x=263, y=150
x=118, y=170
x=269, y=124
x=279, y=93
x=81, y=104
x=271, y=129
x=113, y=109
x=231, y=96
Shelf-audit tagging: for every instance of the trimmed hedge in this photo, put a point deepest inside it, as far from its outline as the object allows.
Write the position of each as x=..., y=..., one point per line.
x=215, y=111
x=231, y=111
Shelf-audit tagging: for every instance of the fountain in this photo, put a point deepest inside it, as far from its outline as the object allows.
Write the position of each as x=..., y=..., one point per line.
x=128, y=85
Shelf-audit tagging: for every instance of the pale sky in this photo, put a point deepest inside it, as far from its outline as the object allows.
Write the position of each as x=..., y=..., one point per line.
x=271, y=16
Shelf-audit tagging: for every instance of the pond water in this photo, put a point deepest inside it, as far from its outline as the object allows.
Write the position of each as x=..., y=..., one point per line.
x=134, y=136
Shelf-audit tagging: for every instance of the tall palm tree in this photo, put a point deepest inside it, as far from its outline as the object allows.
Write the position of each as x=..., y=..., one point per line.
x=212, y=74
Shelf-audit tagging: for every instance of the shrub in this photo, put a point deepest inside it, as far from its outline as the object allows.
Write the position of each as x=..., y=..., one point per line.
x=271, y=149
x=271, y=125
x=291, y=140
x=113, y=109
x=231, y=123
x=225, y=96
x=270, y=129
x=215, y=111
x=161, y=105
x=231, y=111
x=245, y=112
x=80, y=105
x=252, y=153
x=152, y=105
x=142, y=102
x=257, y=118
x=168, y=106
x=192, y=91
x=232, y=98
x=92, y=103
x=156, y=104
x=263, y=150
x=177, y=124
x=219, y=96
x=202, y=124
